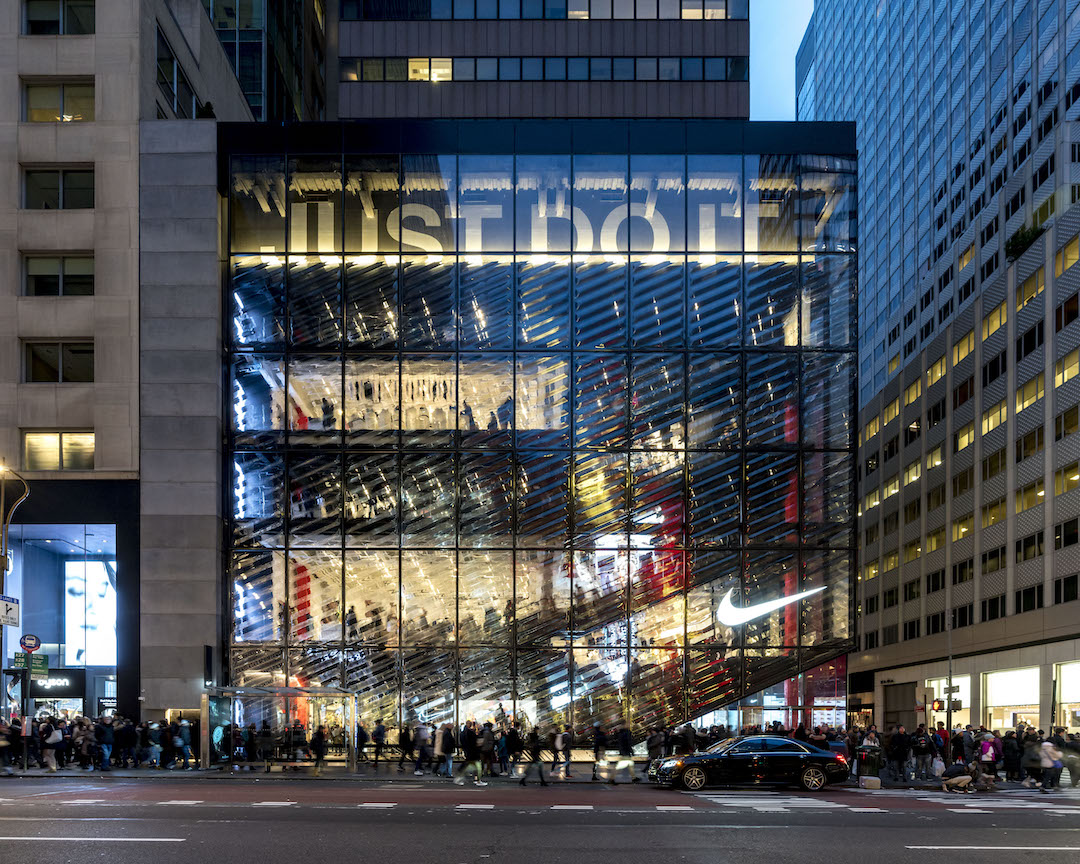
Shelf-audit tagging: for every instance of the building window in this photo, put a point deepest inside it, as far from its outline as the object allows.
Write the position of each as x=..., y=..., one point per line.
x=935, y=623
x=1029, y=599
x=963, y=481
x=963, y=571
x=65, y=189
x=1030, y=392
x=890, y=634
x=872, y=428
x=1030, y=445
x=1066, y=589
x=963, y=437
x=994, y=320
x=912, y=590
x=1066, y=479
x=59, y=362
x=993, y=512
x=911, y=629
x=59, y=17
x=995, y=463
x=67, y=276
x=871, y=534
x=891, y=560
x=65, y=102
x=1066, y=423
x=913, y=392
x=892, y=486
x=963, y=347
x=994, y=559
x=993, y=608
x=935, y=539
x=1030, y=495
x=912, y=551
x=935, y=581
x=891, y=448
x=173, y=84
x=994, y=368
x=913, y=472
x=1066, y=313
x=1067, y=367
x=912, y=511
x=1029, y=547
x=1066, y=256
x=936, y=371
x=935, y=414
x=870, y=640
x=995, y=415
x=963, y=616
x=935, y=498
x=891, y=412
x=934, y=458
x=1066, y=534
x=58, y=451
x=1031, y=288
x=1031, y=339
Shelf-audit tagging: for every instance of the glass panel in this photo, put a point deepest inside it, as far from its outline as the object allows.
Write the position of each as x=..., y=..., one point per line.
x=599, y=686
x=43, y=103
x=601, y=206
x=485, y=202
x=829, y=288
x=428, y=307
x=314, y=667
x=41, y=451
x=658, y=512
x=371, y=298
x=315, y=501
x=656, y=689
x=657, y=204
x=257, y=204
x=600, y=596
x=371, y=598
x=314, y=596
x=314, y=400
x=543, y=385
x=258, y=486
x=600, y=401
x=427, y=499
x=542, y=499
x=78, y=277
x=485, y=599
x=716, y=394
x=827, y=397
x=42, y=277
x=543, y=302
x=371, y=401
x=487, y=297
x=768, y=577
x=656, y=401
x=42, y=362
x=258, y=397
x=714, y=680
x=428, y=598
x=715, y=513
x=714, y=204
x=826, y=617
x=704, y=599
x=371, y=203
x=258, y=301
x=485, y=686
x=429, y=400
x=659, y=624
x=486, y=485
x=542, y=603
x=78, y=193
x=542, y=202
x=373, y=675
x=828, y=505
x=78, y=102
x=600, y=297
x=428, y=201
x=600, y=503
x=772, y=498
x=771, y=202
x=371, y=500
x=829, y=204
x=767, y=667
x=78, y=451
x=260, y=667
x=715, y=301
x=772, y=404
x=658, y=305
x=772, y=297
x=42, y=190
x=77, y=362
x=42, y=17
x=427, y=687
x=543, y=688
x=486, y=384
x=314, y=300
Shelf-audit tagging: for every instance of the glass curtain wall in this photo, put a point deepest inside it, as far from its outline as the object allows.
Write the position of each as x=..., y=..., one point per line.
x=506, y=429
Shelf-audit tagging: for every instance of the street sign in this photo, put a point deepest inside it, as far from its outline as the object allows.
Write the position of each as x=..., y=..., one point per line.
x=9, y=611
x=38, y=666
x=30, y=642
x=954, y=689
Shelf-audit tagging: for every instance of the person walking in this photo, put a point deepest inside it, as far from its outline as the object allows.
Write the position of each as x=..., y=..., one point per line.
x=470, y=746
x=378, y=738
x=318, y=748
x=533, y=748
x=104, y=736
x=1051, y=763
x=924, y=749
x=421, y=741
x=49, y=738
x=405, y=746
x=1010, y=754
x=1031, y=761
x=599, y=749
x=899, y=745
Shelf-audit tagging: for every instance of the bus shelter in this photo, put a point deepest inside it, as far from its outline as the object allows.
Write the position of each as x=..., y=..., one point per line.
x=274, y=725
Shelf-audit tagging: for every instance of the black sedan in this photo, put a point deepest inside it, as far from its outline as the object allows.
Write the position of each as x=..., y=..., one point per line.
x=751, y=760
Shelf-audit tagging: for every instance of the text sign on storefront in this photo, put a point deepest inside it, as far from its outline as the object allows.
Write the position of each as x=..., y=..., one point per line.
x=59, y=684
x=9, y=611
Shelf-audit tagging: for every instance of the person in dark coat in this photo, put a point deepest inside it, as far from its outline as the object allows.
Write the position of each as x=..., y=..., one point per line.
x=405, y=745
x=470, y=746
x=318, y=747
x=533, y=747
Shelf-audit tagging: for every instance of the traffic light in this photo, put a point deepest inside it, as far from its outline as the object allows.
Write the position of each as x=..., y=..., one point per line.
x=938, y=705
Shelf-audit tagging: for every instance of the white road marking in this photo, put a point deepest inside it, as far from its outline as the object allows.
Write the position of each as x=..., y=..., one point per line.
x=968, y=810
x=999, y=848
x=382, y=805
x=273, y=803
x=666, y=807
x=159, y=803
x=571, y=806
x=866, y=810
x=475, y=806
x=101, y=839
x=85, y=801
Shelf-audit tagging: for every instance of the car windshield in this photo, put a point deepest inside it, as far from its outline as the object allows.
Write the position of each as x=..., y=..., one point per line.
x=719, y=745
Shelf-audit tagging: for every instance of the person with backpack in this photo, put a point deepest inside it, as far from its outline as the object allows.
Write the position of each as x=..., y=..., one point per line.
x=924, y=749
x=987, y=760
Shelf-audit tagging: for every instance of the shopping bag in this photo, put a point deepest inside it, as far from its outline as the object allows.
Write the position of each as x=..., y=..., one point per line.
x=939, y=766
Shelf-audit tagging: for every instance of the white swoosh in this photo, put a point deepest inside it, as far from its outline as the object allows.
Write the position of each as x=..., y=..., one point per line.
x=728, y=615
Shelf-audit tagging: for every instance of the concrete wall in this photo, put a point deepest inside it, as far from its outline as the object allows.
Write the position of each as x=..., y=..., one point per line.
x=542, y=98
x=180, y=402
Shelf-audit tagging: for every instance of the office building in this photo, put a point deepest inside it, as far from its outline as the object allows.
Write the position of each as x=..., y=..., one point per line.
x=966, y=121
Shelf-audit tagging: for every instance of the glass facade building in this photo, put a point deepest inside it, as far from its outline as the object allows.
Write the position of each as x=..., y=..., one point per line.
x=512, y=407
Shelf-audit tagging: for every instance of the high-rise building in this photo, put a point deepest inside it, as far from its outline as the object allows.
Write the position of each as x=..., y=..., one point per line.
x=965, y=116
x=83, y=83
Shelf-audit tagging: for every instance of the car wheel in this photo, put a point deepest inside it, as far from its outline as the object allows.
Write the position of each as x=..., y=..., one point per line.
x=812, y=778
x=693, y=778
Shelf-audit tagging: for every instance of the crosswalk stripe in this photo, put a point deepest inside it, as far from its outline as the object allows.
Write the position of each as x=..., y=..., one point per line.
x=571, y=806
x=866, y=810
x=85, y=801
x=475, y=806
x=273, y=803
x=383, y=805
x=665, y=807
x=967, y=810
x=178, y=802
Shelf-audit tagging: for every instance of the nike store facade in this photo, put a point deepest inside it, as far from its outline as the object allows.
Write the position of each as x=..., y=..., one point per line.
x=551, y=420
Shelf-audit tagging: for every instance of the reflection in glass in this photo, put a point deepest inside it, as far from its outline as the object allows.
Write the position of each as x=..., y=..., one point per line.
x=258, y=301
x=657, y=204
x=371, y=598
x=487, y=297
x=258, y=404
x=428, y=400
x=315, y=205
x=371, y=500
x=657, y=302
x=543, y=309
x=314, y=596
x=257, y=205
x=714, y=288
x=372, y=215
x=257, y=494
x=428, y=598
x=714, y=203
x=486, y=488
x=258, y=596
x=371, y=297
x=772, y=204
x=371, y=400
x=542, y=204
x=656, y=401
x=485, y=386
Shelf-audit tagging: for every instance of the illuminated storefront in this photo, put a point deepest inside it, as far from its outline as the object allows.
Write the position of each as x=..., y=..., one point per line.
x=1068, y=696
x=1012, y=697
x=505, y=430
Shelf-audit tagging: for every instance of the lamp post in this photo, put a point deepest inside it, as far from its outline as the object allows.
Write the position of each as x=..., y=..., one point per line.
x=6, y=515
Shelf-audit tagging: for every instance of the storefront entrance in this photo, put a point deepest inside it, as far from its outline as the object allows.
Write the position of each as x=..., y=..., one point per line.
x=1012, y=697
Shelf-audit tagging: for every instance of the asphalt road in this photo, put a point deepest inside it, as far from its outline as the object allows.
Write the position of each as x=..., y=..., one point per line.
x=282, y=822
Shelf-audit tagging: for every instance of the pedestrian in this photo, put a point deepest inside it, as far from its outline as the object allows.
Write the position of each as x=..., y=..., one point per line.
x=556, y=745
x=599, y=749
x=957, y=778
x=501, y=753
x=448, y=744
x=378, y=738
x=487, y=747
x=533, y=747
x=899, y=745
x=1031, y=761
x=470, y=746
x=362, y=739
x=49, y=737
x=105, y=737
x=626, y=756
x=318, y=747
x=185, y=744
x=1011, y=753
x=924, y=749
x=1051, y=763
x=421, y=742
x=405, y=746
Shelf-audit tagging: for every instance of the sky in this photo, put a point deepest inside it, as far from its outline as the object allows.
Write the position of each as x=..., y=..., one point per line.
x=776, y=28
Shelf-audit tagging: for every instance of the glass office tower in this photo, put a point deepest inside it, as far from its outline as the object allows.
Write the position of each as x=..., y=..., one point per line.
x=514, y=406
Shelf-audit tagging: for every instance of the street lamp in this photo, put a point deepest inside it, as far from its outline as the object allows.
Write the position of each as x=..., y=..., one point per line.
x=6, y=515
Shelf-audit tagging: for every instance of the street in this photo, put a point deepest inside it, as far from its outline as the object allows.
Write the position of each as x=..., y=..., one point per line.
x=273, y=821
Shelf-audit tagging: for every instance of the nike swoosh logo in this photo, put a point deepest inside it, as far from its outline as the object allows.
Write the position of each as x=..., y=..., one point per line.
x=728, y=615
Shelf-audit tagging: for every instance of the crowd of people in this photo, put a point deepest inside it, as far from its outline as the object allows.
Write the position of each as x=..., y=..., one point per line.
x=101, y=744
